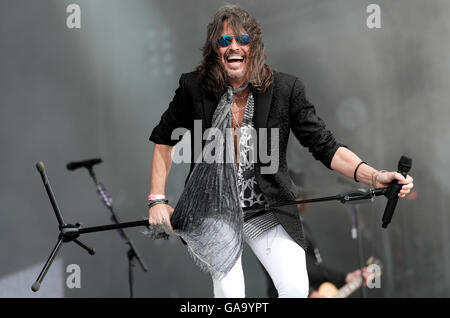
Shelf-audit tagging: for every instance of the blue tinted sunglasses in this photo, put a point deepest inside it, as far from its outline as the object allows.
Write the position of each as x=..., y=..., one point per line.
x=242, y=39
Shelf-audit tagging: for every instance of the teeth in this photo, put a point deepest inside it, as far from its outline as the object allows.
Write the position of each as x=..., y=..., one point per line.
x=235, y=58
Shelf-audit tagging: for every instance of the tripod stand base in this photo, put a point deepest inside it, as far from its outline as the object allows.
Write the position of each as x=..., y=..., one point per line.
x=63, y=238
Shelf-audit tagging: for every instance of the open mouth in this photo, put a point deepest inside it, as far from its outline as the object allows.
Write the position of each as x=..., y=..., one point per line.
x=235, y=60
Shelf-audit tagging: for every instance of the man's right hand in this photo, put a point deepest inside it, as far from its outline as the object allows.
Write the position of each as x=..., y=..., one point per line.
x=160, y=214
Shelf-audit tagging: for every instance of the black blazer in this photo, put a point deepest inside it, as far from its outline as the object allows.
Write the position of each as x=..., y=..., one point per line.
x=283, y=105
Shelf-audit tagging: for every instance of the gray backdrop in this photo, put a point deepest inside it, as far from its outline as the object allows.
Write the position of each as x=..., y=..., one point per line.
x=98, y=92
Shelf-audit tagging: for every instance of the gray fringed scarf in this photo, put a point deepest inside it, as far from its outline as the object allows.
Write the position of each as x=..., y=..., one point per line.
x=208, y=215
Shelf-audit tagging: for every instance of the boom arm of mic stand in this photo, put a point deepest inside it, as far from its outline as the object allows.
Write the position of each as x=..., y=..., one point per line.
x=343, y=198
x=340, y=197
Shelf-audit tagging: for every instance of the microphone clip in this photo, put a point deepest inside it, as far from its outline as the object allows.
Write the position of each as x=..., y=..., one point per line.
x=357, y=195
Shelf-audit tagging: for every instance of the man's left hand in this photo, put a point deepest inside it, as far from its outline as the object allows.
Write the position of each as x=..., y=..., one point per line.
x=384, y=179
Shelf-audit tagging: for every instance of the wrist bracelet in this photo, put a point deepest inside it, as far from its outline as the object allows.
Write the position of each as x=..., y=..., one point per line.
x=372, y=183
x=157, y=201
x=356, y=169
x=374, y=177
x=152, y=197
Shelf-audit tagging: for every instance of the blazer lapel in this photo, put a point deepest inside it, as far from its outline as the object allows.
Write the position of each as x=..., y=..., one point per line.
x=209, y=106
x=262, y=107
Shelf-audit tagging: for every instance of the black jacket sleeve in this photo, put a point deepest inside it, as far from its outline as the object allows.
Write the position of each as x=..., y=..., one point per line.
x=177, y=115
x=309, y=128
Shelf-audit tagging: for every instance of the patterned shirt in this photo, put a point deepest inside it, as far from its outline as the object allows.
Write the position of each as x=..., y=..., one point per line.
x=249, y=192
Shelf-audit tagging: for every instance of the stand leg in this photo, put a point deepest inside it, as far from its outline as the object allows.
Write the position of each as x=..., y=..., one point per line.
x=130, y=255
x=360, y=250
x=48, y=263
x=90, y=250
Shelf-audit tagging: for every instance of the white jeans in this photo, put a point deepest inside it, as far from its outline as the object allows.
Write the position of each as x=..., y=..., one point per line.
x=283, y=259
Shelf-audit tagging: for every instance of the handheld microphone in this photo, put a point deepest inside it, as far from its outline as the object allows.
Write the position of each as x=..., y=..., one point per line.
x=83, y=164
x=404, y=165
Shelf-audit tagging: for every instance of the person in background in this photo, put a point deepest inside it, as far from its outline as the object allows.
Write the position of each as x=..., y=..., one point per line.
x=318, y=271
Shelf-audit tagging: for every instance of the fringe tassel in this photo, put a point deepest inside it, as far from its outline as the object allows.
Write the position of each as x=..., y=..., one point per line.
x=206, y=267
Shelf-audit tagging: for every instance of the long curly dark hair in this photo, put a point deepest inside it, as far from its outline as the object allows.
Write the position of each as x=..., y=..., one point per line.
x=213, y=75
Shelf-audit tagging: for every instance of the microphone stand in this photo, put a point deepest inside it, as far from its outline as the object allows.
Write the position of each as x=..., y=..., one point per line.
x=132, y=252
x=356, y=235
x=69, y=232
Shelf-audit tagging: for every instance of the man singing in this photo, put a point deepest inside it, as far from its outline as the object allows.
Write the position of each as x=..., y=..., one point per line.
x=234, y=90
